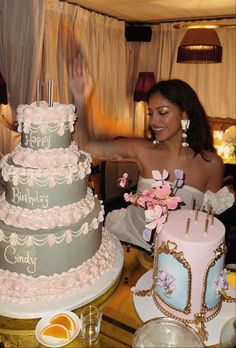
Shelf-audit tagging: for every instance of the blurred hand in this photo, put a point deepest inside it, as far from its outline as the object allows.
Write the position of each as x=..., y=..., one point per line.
x=81, y=83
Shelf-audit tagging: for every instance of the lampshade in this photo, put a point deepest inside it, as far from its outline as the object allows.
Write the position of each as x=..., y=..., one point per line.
x=200, y=45
x=145, y=81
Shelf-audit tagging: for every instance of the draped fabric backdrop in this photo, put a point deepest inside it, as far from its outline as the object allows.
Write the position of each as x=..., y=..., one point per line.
x=39, y=38
x=21, y=44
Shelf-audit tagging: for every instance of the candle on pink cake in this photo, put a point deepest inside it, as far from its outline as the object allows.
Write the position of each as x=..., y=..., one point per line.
x=187, y=226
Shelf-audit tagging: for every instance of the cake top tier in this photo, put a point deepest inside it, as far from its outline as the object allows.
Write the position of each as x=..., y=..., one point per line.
x=193, y=226
x=46, y=127
x=42, y=113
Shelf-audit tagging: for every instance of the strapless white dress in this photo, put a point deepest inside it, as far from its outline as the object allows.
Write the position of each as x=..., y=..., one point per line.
x=128, y=223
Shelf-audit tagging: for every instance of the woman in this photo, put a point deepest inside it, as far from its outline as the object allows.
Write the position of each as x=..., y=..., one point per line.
x=182, y=140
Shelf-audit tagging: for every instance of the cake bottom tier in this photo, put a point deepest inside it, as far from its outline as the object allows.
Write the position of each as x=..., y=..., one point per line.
x=20, y=288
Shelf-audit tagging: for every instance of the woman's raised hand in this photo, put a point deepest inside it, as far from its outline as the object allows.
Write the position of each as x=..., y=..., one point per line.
x=81, y=83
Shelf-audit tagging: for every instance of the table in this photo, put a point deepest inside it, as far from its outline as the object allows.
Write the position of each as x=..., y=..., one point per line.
x=119, y=323
x=120, y=319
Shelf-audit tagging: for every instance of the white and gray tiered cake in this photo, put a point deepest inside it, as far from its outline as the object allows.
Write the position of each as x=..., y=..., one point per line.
x=51, y=238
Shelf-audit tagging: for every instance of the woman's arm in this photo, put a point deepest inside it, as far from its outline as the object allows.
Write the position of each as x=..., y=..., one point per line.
x=81, y=85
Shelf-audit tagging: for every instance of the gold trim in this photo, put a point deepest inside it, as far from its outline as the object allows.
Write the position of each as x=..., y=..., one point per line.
x=219, y=252
x=143, y=293
x=187, y=321
x=228, y=298
x=199, y=320
x=200, y=326
x=15, y=339
x=171, y=248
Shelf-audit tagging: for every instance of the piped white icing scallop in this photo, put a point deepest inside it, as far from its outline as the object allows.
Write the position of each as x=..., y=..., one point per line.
x=45, y=176
x=51, y=239
x=51, y=158
x=44, y=114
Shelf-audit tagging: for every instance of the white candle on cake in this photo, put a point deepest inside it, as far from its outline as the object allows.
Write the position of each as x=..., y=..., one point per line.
x=37, y=92
x=50, y=93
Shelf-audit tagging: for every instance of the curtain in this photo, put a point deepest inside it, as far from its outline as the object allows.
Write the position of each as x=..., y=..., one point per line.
x=69, y=28
x=21, y=42
x=22, y=28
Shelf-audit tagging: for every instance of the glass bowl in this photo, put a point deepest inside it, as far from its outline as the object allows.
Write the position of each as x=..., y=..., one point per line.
x=166, y=332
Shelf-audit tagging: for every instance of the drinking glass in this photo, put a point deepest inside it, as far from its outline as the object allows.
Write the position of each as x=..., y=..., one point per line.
x=91, y=319
x=228, y=334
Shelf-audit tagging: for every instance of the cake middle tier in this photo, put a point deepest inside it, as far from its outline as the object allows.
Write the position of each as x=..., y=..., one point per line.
x=45, y=179
x=51, y=251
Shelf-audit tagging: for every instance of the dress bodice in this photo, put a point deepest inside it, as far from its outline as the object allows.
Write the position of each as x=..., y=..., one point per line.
x=187, y=193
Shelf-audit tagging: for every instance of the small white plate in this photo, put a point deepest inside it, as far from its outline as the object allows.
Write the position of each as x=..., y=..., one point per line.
x=54, y=341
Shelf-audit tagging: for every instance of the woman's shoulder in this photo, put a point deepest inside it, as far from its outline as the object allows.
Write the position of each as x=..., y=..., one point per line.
x=213, y=158
x=213, y=164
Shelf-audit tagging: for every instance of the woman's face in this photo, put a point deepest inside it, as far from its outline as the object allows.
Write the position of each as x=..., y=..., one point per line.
x=164, y=117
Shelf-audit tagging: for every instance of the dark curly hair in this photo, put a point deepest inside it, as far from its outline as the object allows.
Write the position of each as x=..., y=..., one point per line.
x=180, y=93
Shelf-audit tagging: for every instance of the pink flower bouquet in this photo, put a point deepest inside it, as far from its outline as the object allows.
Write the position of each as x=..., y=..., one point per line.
x=156, y=201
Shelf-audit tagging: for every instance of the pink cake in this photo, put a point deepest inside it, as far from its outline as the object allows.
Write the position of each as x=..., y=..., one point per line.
x=188, y=264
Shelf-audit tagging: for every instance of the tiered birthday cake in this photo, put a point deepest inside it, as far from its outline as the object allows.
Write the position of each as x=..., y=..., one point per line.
x=51, y=238
x=188, y=276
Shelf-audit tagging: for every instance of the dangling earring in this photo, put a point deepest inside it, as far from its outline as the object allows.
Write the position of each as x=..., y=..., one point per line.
x=185, y=125
x=155, y=142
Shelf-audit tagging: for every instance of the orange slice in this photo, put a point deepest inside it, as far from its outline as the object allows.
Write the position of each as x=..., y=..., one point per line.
x=56, y=330
x=65, y=320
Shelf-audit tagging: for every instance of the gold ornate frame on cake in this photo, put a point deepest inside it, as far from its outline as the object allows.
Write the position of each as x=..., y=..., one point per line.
x=171, y=249
x=219, y=252
x=201, y=317
x=146, y=309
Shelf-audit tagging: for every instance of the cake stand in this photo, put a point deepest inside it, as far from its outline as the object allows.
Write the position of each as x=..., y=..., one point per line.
x=70, y=302
x=146, y=309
